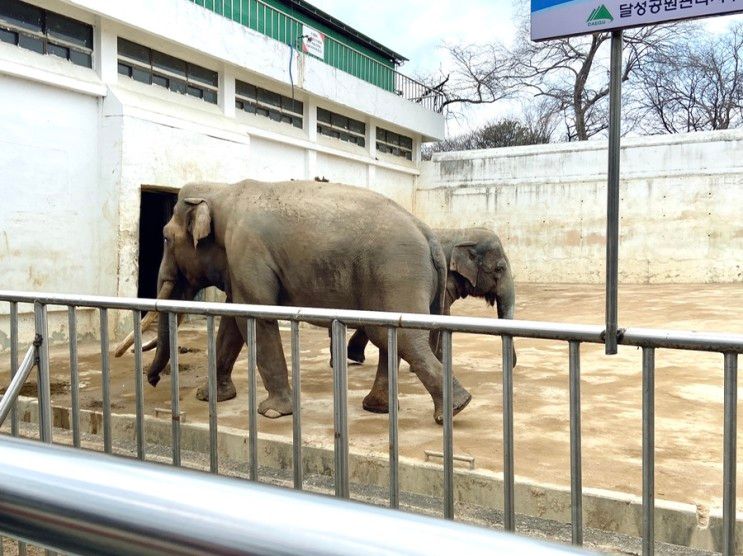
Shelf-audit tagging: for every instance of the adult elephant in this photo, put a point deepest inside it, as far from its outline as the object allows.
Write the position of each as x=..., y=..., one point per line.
x=478, y=267
x=303, y=244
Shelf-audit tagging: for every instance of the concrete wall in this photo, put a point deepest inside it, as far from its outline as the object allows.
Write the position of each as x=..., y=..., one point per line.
x=680, y=206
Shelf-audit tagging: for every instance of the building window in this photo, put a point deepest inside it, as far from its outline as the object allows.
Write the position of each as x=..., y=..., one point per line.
x=266, y=103
x=46, y=32
x=152, y=67
x=395, y=144
x=341, y=127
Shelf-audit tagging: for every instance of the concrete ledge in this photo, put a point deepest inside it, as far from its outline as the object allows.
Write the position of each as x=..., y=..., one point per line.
x=675, y=523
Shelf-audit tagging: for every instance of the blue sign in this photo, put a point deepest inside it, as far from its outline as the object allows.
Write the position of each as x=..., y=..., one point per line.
x=552, y=19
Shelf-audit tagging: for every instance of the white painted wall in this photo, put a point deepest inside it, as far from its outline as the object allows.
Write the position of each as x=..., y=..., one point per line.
x=680, y=207
x=53, y=215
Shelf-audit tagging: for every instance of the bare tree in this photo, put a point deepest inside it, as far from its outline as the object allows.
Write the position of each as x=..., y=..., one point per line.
x=571, y=75
x=475, y=74
x=696, y=86
x=574, y=73
x=506, y=132
x=540, y=117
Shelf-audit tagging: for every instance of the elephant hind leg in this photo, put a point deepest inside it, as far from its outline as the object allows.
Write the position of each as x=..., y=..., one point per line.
x=377, y=400
x=273, y=370
x=415, y=348
x=357, y=345
x=261, y=286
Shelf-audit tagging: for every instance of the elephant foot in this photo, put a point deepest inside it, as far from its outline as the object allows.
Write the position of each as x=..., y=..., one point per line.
x=225, y=391
x=275, y=406
x=356, y=356
x=461, y=399
x=353, y=362
x=376, y=403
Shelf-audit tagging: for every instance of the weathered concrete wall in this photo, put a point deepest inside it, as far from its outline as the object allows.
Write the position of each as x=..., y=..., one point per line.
x=680, y=203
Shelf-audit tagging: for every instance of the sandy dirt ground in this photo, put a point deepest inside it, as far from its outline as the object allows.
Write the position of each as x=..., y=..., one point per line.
x=689, y=395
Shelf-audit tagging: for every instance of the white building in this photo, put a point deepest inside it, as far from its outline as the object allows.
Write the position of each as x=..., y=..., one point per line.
x=107, y=107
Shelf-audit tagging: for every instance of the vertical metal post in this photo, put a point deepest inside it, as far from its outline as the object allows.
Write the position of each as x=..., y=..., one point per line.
x=392, y=368
x=138, y=384
x=175, y=403
x=340, y=408
x=74, y=375
x=211, y=383
x=612, y=210
x=576, y=474
x=297, y=414
x=509, y=518
x=105, y=381
x=648, y=451
x=729, y=454
x=448, y=451
x=44, y=388
x=252, y=400
x=13, y=360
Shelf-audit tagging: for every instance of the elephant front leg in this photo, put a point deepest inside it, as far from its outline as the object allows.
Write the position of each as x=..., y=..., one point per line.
x=229, y=343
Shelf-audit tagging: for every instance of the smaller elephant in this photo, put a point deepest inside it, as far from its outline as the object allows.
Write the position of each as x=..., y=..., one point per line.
x=478, y=266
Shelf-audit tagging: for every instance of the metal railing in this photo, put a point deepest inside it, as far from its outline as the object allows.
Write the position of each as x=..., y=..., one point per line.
x=283, y=27
x=56, y=496
x=729, y=345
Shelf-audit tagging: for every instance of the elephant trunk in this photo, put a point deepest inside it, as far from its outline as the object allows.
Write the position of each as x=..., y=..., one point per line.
x=505, y=298
x=164, y=290
x=162, y=355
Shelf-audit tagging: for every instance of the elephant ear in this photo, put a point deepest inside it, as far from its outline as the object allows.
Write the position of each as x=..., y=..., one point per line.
x=463, y=261
x=199, y=219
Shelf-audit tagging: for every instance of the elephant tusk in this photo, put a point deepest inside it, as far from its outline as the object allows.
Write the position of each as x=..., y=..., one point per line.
x=165, y=290
x=152, y=344
x=147, y=321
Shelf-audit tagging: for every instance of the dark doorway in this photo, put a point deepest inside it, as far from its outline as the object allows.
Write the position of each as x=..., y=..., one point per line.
x=155, y=211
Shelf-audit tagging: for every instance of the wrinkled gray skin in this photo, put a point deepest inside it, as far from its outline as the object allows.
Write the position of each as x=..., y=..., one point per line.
x=478, y=266
x=303, y=244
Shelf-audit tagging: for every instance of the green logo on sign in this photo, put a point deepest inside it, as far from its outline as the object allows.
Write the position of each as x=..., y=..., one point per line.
x=600, y=16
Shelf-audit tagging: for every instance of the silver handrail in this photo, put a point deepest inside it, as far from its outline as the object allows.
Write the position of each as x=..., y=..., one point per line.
x=640, y=337
x=8, y=399
x=91, y=503
x=728, y=345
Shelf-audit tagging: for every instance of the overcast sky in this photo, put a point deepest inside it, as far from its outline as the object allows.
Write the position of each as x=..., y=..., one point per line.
x=417, y=28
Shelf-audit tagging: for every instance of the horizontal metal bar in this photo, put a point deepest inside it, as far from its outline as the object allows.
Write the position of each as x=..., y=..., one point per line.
x=7, y=401
x=678, y=339
x=54, y=494
x=643, y=337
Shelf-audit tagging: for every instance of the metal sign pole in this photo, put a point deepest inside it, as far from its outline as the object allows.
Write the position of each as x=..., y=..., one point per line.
x=612, y=210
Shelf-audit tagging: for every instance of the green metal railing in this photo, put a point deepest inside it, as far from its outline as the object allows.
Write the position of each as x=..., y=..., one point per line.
x=273, y=22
